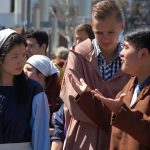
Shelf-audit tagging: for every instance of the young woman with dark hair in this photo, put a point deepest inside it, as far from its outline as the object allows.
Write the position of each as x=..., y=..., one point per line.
x=24, y=113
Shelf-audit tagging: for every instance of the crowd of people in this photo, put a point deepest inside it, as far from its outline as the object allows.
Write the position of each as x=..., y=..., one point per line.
x=93, y=96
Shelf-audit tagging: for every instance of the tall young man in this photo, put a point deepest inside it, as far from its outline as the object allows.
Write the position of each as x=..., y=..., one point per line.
x=98, y=63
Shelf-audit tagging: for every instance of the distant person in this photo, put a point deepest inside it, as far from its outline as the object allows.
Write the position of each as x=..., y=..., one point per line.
x=82, y=32
x=24, y=112
x=37, y=42
x=97, y=61
x=60, y=56
x=59, y=59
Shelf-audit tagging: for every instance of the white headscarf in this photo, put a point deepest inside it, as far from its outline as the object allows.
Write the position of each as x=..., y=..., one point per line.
x=43, y=64
x=4, y=34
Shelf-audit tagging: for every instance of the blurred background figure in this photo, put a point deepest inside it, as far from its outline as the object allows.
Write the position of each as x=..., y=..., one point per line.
x=60, y=56
x=82, y=32
x=37, y=42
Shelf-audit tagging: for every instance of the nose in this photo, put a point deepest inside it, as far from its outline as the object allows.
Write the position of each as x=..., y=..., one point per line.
x=121, y=53
x=105, y=38
x=28, y=51
x=25, y=70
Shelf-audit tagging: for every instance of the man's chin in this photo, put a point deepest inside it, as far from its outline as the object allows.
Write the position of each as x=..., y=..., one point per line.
x=18, y=73
x=123, y=69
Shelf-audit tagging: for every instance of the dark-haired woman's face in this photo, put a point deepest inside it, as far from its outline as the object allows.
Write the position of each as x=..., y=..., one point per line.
x=129, y=58
x=14, y=60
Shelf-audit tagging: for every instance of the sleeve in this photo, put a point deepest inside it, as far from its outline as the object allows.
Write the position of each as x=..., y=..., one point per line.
x=131, y=122
x=98, y=112
x=68, y=94
x=59, y=122
x=40, y=122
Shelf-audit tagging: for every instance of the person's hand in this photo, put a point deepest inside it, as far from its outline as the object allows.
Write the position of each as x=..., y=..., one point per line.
x=113, y=104
x=79, y=87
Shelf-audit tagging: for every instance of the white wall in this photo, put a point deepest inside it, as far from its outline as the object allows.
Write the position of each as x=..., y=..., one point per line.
x=5, y=6
x=7, y=20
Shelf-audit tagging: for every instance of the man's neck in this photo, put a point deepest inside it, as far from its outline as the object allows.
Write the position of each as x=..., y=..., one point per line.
x=109, y=55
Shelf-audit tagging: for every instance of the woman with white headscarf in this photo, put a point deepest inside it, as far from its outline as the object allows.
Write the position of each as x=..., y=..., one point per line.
x=41, y=65
x=43, y=70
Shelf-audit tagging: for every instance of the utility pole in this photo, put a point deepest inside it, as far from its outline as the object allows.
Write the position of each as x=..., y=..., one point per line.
x=85, y=10
x=28, y=14
x=44, y=12
x=24, y=13
x=17, y=12
x=67, y=23
x=36, y=17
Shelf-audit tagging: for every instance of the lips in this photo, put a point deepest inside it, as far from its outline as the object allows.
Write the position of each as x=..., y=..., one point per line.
x=122, y=61
x=106, y=44
x=19, y=68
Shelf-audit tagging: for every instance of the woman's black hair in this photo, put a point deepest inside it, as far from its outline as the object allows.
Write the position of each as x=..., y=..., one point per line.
x=20, y=82
x=139, y=37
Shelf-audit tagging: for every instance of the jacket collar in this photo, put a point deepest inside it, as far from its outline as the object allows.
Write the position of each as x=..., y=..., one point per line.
x=86, y=49
x=143, y=92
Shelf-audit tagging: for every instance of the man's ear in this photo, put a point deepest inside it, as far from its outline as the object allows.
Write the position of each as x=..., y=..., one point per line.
x=143, y=53
x=43, y=46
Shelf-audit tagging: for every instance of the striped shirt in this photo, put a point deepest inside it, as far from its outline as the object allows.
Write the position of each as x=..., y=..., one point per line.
x=107, y=69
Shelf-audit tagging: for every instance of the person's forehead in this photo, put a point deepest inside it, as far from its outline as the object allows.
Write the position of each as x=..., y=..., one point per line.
x=108, y=24
x=81, y=32
x=29, y=66
x=109, y=18
x=18, y=49
x=31, y=40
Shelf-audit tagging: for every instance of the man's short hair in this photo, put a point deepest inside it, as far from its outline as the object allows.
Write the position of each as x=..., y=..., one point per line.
x=105, y=8
x=40, y=36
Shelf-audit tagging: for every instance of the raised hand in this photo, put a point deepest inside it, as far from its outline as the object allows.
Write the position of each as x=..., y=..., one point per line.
x=113, y=104
x=79, y=87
